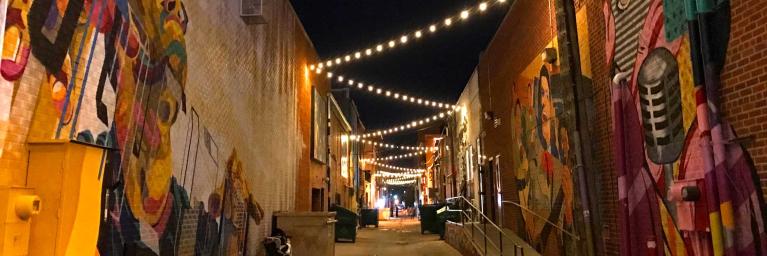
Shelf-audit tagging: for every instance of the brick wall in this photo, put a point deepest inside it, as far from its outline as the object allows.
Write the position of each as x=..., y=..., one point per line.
x=744, y=81
x=604, y=167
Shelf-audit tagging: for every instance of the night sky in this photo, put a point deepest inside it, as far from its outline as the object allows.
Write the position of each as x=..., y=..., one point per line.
x=433, y=67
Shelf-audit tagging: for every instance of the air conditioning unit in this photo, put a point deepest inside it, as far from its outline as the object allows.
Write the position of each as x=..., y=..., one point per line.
x=252, y=11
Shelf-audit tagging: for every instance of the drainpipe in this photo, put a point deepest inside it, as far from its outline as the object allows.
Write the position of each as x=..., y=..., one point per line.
x=571, y=73
x=706, y=78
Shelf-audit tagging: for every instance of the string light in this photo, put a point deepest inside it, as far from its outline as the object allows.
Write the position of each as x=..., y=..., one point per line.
x=412, y=124
x=447, y=22
x=397, y=174
x=392, y=94
x=391, y=146
x=396, y=157
x=396, y=168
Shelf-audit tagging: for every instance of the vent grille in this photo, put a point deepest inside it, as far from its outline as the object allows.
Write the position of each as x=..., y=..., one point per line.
x=252, y=11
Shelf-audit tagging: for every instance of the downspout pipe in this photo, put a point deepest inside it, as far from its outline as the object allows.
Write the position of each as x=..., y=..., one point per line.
x=706, y=78
x=571, y=71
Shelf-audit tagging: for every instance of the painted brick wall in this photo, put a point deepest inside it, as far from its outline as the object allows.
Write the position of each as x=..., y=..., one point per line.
x=210, y=116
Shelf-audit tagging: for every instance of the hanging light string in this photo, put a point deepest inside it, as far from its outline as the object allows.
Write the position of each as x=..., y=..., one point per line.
x=410, y=125
x=391, y=146
x=396, y=168
x=406, y=37
x=396, y=157
x=395, y=175
x=373, y=89
x=401, y=183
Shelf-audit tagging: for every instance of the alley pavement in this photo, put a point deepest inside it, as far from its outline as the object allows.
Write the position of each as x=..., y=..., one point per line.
x=396, y=237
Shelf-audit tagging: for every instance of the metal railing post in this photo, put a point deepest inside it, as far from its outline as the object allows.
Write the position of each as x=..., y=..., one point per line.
x=500, y=242
x=484, y=231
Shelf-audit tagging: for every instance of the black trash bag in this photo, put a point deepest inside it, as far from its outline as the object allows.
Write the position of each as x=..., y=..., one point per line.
x=278, y=244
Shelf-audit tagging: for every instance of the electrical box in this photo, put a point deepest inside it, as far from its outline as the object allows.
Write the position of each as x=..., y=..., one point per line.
x=67, y=175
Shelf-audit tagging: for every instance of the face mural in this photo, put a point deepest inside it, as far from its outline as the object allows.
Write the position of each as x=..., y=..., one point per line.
x=541, y=161
x=680, y=194
x=113, y=73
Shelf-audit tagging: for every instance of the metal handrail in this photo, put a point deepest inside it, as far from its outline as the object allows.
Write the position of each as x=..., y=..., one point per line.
x=483, y=232
x=574, y=236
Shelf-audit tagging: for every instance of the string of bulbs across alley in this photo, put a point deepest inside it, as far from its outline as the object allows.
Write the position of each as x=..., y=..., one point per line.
x=447, y=22
x=403, y=175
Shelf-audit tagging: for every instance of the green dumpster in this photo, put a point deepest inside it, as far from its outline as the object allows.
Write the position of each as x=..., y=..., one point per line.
x=428, y=216
x=368, y=217
x=346, y=227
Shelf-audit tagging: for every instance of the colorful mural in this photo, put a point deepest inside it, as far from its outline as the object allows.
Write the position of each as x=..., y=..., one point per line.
x=542, y=160
x=685, y=186
x=113, y=73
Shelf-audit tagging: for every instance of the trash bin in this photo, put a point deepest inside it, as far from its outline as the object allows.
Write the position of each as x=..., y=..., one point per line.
x=346, y=227
x=428, y=214
x=311, y=233
x=444, y=215
x=368, y=217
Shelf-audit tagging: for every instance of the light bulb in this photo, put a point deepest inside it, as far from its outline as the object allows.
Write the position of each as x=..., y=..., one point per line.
x=319, y=71
x=320, y=66
x=396, y=95
x=418, y=34
x=329, y=63
x=501, y=1
x=403, y=39
x=483, y=7
x=420, y=101
x=448, y=22
x=441, y=105
x=433, y=28
x=330, y=74
x=404, y=97
x=351, y=81
x=340, y=78
x=427, y=103
x=388, y=93
x=464, y=14
x=360, y=85
x=357, y=55
x=378, y=91
x=379, y=48
x=338, y=60
x=368, y=52
x=312, y=67
x=370, y=88
x=392, y=44
x=433, y=104
x=441, y=115
x=412, y=99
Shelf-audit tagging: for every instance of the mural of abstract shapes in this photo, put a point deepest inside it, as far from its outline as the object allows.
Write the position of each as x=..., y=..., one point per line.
x=660, y=101
x=674, y=19
x=16, y=48
x=628, y=15
x=655, y=99
x=51, y=28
